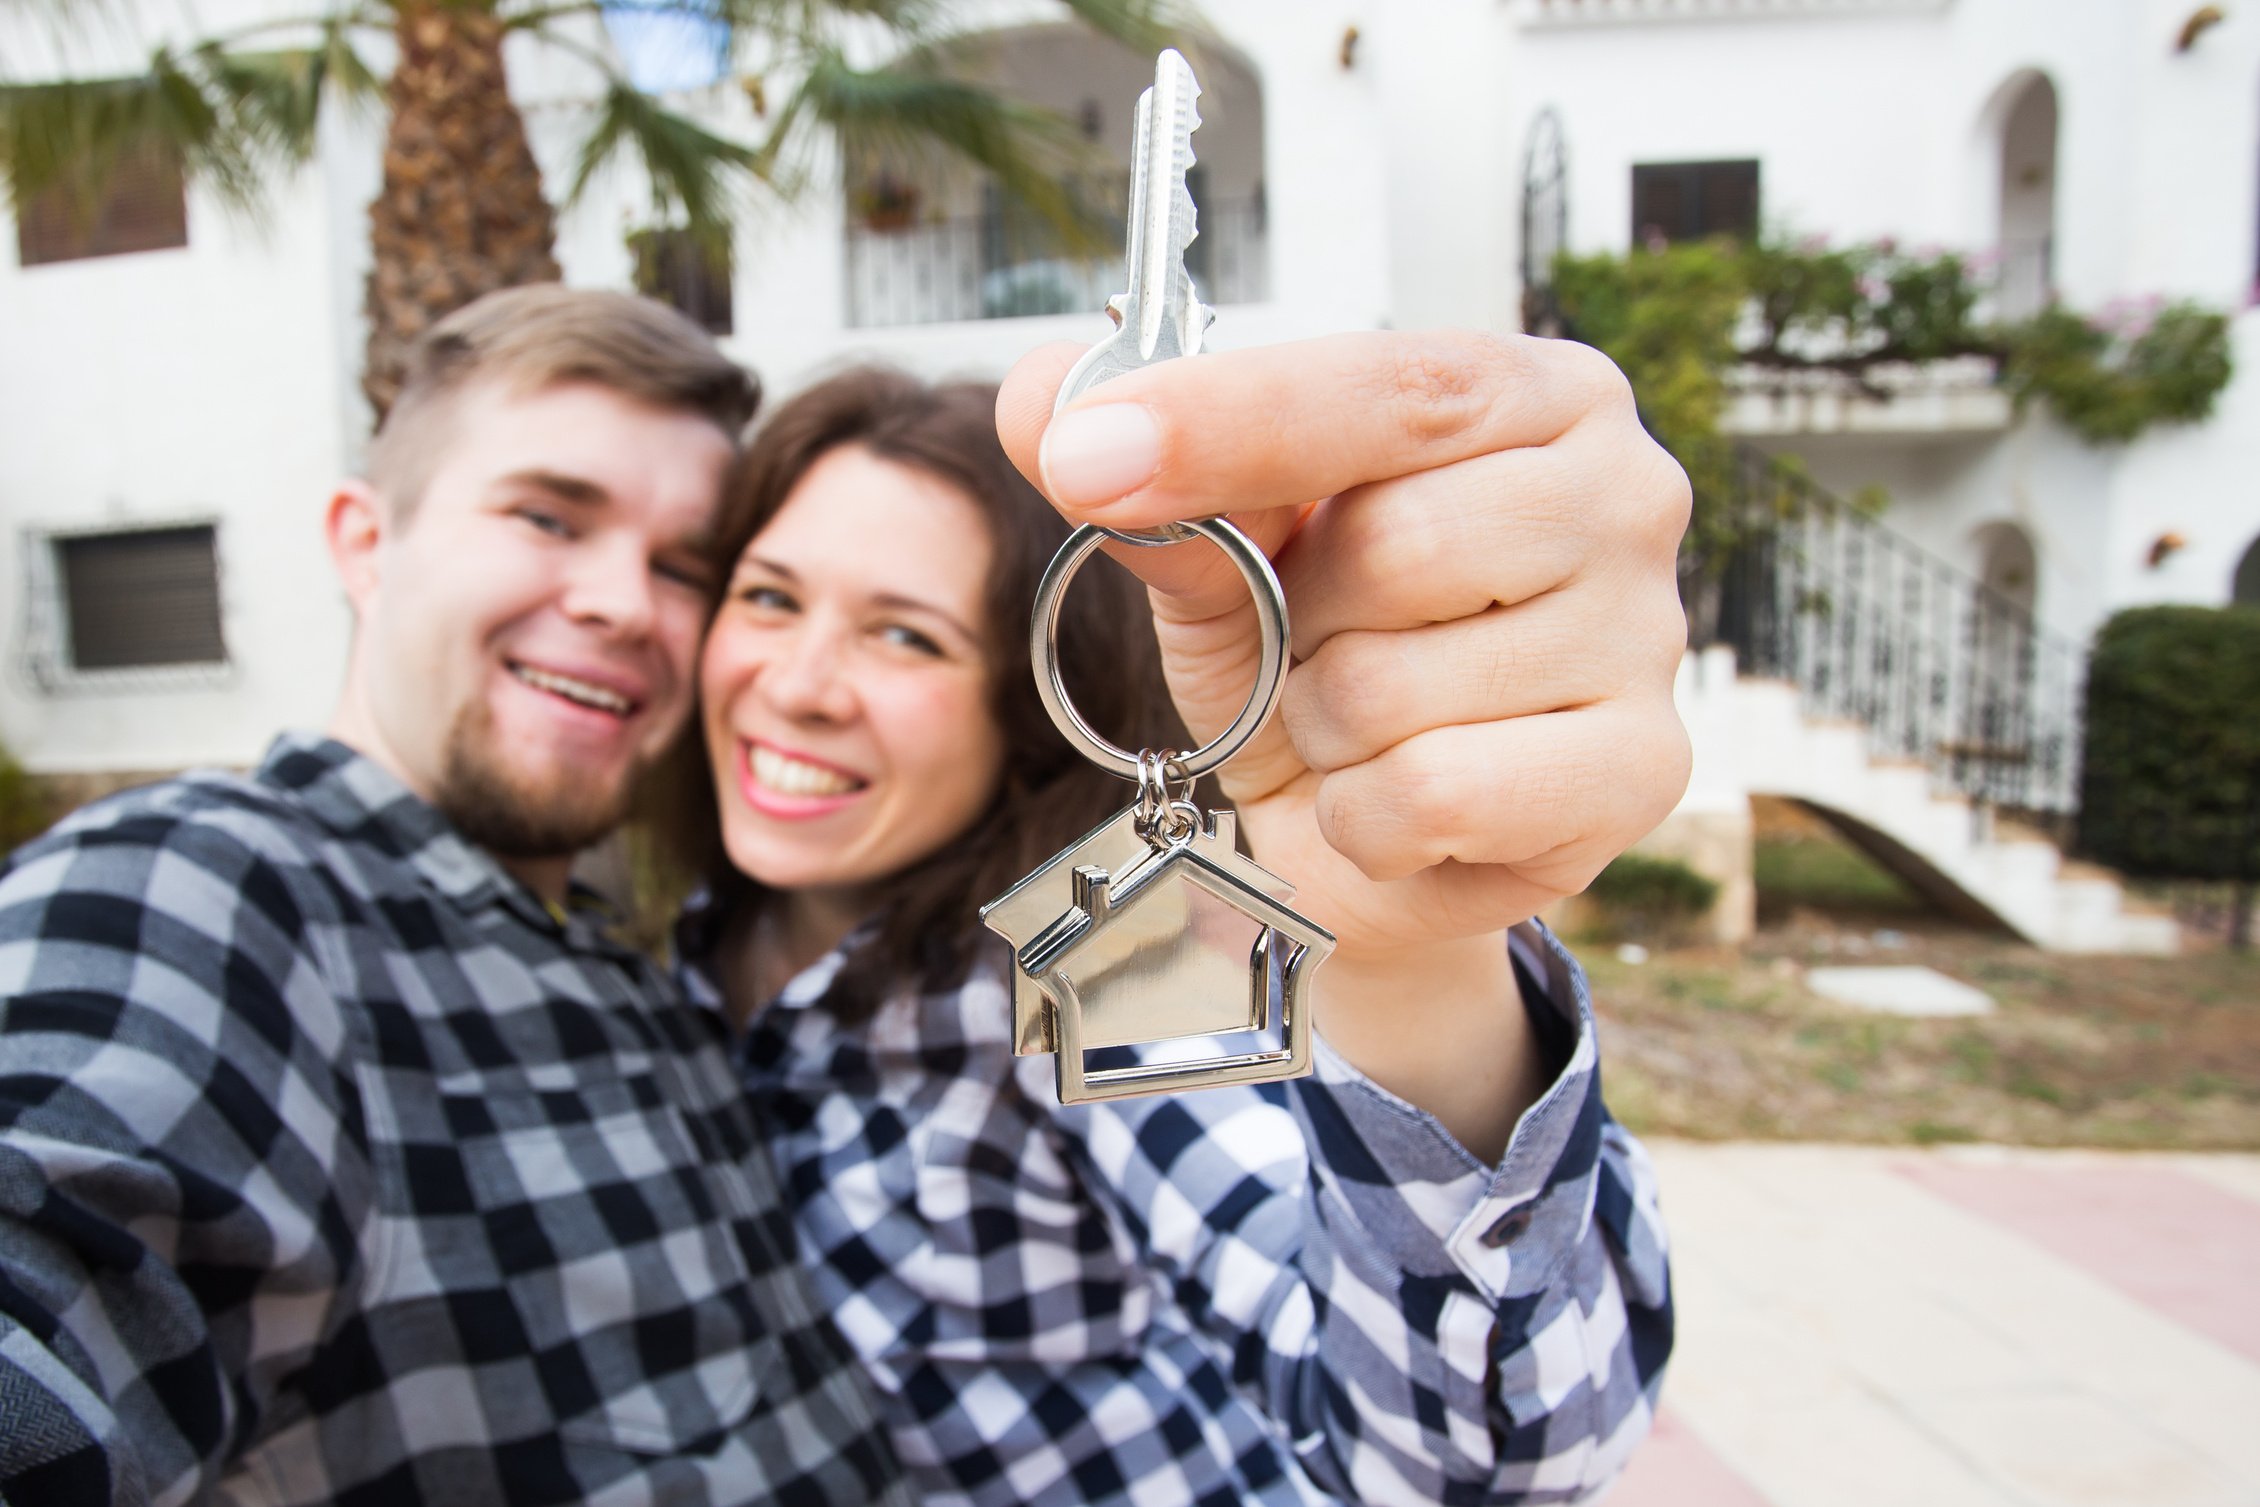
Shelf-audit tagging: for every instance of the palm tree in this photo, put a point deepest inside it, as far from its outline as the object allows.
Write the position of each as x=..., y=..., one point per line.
x=463, y=209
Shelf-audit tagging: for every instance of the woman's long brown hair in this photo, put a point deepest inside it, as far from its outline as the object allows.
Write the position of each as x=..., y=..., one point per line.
x=928, y=927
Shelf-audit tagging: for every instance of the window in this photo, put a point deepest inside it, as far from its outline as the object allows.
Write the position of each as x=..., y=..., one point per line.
x=678, y=268
x=1688, y=201
x=132, y=600
x=141, y=206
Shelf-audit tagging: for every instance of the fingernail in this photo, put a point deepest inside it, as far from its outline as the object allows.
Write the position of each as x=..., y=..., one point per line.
x=1094, y=455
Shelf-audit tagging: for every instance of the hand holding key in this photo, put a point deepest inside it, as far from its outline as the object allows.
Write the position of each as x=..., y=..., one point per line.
x=1478, y=545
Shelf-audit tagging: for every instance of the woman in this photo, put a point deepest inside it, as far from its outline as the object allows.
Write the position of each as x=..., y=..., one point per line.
x=1152, y=1299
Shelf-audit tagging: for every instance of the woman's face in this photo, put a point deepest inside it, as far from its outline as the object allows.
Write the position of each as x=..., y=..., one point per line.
x=844, y=684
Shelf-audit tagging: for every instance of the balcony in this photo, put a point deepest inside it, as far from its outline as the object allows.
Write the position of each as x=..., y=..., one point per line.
x=989, y=266
x=1938, y=400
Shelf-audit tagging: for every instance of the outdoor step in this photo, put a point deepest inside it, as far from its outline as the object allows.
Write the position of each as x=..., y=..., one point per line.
x=2021, y=863
x=1755, y=736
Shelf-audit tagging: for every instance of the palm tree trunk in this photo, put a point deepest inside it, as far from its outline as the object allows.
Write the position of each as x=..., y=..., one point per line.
x=461, y=212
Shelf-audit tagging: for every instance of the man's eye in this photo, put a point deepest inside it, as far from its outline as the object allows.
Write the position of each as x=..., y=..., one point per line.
x=688, y=573
x=910, y=638
x=544, y=520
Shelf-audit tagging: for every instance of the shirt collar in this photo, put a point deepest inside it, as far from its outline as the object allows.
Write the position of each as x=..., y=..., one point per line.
x=698, y=936
x=359, y=799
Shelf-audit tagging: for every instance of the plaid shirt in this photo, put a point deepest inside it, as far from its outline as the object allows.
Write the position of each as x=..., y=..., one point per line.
x=1288, y=1293
x=335, y=1167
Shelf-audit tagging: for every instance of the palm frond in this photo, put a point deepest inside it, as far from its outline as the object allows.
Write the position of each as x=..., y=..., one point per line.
x=908, y=109
x=1141, y=25
x=71, y=134
x=697, y=176
x=278, y=95
x=231, y=118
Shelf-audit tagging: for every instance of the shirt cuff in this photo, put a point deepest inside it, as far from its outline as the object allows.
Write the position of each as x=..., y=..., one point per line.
x=1414, y=1190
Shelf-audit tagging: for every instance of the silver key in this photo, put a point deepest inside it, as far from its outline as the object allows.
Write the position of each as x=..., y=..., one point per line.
x=1160, y=317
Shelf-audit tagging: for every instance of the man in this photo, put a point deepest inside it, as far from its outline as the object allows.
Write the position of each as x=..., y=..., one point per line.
x=343, y=1160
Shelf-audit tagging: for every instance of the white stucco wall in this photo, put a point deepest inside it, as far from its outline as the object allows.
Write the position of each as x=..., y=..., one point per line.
x=221, y=381
x=180, y=385
x=1886, y=120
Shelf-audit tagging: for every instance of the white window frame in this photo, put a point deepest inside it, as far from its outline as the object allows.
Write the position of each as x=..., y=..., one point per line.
x=46, y=652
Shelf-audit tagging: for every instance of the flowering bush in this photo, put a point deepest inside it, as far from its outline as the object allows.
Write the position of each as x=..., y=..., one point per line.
x=1681, y=319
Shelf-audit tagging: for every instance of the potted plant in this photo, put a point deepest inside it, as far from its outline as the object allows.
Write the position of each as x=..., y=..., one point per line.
x=887, y=203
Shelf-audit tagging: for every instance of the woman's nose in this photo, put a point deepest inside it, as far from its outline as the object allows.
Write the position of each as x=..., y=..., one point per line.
x=808, y=675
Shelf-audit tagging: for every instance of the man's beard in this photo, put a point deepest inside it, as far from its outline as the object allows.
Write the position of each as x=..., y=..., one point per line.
x=512, y=816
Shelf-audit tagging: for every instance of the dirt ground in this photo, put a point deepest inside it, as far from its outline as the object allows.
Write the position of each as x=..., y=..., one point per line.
x=2113, y=1052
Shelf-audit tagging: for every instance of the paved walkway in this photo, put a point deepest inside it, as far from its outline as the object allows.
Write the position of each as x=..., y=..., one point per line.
x=1973, y=1327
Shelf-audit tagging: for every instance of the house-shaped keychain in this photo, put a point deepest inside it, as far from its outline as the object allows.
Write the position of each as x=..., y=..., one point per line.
x=1122, y=940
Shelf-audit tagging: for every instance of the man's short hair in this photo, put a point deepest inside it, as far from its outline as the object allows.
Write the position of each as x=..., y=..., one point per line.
x=535, y=337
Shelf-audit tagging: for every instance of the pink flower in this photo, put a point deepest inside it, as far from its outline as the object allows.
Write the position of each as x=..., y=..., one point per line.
x=1812, y=245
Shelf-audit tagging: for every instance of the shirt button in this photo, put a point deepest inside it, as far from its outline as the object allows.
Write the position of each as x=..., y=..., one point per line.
x=1508, y=1229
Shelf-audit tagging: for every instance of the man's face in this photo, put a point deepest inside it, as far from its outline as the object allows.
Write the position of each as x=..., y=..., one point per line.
x=529, y=629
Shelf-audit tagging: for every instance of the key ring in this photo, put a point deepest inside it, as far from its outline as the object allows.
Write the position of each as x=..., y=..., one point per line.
x=1271, y=667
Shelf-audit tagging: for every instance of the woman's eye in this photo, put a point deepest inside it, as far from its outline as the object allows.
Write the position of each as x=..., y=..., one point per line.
x=768, y=598
x=910, y=638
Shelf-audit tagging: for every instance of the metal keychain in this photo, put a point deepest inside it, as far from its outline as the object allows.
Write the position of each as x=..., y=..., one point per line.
x=1152, y=928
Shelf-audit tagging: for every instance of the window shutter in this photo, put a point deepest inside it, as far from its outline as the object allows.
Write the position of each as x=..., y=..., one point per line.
x=145, y=598
x=1689, y=201
x=142, y=206
x=674, y=267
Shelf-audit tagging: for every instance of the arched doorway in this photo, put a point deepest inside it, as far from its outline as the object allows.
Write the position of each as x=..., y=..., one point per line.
x=1545, y=221
x=2026, y=108
x=2244, y=591
x=2008, y=565
x=2002, y=636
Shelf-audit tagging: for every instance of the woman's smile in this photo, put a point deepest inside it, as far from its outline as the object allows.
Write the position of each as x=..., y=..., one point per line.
x=791, y=786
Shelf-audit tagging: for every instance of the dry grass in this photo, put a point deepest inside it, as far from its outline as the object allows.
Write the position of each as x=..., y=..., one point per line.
x=2120, y=1052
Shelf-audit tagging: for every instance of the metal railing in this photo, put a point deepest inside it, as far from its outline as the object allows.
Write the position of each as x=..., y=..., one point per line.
x=994, y=266
x=1939, y=667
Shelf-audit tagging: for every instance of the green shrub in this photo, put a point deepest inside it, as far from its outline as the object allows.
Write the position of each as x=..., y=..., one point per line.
x=2172, y=766
x=23, y=812
x=1643, y=896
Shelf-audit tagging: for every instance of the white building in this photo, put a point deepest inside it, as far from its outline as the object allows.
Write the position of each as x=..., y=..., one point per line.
x=174, y=417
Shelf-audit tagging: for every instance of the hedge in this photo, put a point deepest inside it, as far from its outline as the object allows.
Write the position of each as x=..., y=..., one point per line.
x=1641, y=896
x=2170, y=784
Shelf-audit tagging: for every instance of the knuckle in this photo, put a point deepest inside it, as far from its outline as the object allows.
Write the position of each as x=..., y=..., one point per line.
x=1350, y=826
x=1352, y=699
x=1423, y=797
x=1446, y=385
x=1493, y=662
x=1596, y=379
x=1668, y=496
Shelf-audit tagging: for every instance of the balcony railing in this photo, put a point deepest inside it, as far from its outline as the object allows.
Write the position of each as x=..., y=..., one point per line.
x=987, y=267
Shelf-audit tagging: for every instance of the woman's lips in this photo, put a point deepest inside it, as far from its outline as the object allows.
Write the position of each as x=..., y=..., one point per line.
x=793, y=787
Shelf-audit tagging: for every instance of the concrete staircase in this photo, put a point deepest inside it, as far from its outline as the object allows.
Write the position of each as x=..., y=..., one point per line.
x=1753, y=737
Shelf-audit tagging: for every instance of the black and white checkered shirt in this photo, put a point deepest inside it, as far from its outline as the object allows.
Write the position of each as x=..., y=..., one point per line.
x=336, y=1168
x=1283, y=1294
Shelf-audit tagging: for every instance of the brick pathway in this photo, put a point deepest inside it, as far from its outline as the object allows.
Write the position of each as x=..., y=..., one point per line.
x=1973, y=1327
